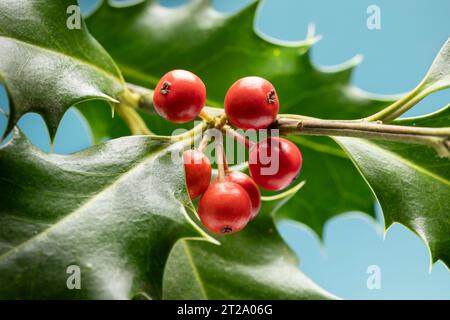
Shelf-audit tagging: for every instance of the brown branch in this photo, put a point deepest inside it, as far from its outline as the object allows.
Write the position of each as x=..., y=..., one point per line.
x=438, y=138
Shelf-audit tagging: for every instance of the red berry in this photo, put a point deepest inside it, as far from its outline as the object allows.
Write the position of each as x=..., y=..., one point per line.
x=198, y=172
x=250, y=186
x=251, y=103
x=179, y=96
x=274, y=163
x=225, y=208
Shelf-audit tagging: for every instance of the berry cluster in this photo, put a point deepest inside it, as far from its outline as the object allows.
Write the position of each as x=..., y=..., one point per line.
x=233, y=199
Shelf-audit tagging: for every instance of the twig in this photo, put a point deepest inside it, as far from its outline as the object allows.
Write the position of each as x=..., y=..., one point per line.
x=145, y=100
x=133, y=120
x=239, y=138
x=220, y=157
x=206, y=117
x=204, y=142
x=370, y=128
x=437, y=138
x=192, y=134
x=312, y=125
x=399, y=107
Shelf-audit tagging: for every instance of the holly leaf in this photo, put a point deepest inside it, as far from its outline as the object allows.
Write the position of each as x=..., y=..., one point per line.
x=183, y=37
x=438, y=76
x=252, y=264
x=110, y=212
x=411, y=182
x=107, y=210
x=47, y=67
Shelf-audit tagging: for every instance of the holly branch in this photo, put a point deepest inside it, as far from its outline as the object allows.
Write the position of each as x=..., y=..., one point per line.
x=288, y=124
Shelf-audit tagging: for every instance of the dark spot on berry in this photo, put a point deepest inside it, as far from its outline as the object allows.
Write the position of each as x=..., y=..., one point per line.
x=165, y=88
x=226, y=230
x=271, y=96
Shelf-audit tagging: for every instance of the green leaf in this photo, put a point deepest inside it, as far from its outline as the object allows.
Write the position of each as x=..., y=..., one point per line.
x=252, y=264
x=47, y=67
x=115, y=210
x=438, y=76
x=221, y=48
x=411, y=183
x=119, y=212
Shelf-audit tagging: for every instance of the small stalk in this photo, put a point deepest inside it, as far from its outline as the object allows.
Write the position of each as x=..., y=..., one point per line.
x=206, y=117
x=145, y=98
x=191, y=134
x=399, y=107
x=225, y=163
x=240, y=138
x=220, y=158
x=204, y=142
x=221, y=121
x=132, y=119
x=130, y=98
x=188, y=137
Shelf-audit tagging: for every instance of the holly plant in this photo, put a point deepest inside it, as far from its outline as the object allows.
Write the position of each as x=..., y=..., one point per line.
x=148, y=214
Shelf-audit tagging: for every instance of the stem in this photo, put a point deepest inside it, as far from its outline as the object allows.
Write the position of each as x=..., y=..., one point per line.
x=399, y=107
x=220, y=158
x=220, y=121
x=225, y=163
x=206, y=117
x=204, y=142
x=402, y=109
x=133, y=120
x=369, y=128
x=313, y=125
x=437, y=138
x=284, y=194
x=188, y=137
x=240, y=138
x=294, y=117
x=145, y=98
x=191, y=134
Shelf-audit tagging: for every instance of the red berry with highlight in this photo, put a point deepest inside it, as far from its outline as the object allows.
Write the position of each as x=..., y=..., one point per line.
x=251, y=103
x=248, y=185
x=225, y=208
x=197, y=168
x=179, y=96
x=274, y=163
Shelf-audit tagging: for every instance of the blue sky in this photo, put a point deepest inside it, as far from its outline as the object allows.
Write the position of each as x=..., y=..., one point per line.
x=395, y=59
